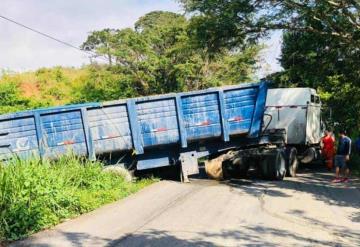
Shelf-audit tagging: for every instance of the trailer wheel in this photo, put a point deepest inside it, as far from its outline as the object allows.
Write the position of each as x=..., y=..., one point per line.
x=273, y=165
x=292, y=162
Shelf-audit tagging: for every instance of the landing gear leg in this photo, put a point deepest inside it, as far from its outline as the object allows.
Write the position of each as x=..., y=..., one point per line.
x=189, y=166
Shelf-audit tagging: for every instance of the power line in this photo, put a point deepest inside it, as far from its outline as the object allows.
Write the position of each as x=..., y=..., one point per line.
x=50, y=37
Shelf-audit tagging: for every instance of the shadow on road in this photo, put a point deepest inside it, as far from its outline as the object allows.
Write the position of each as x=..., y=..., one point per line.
x=157, y=238
x=255, y=235
x=351, y=235
x=245, y=235
x=77, y=239
x=315, y=181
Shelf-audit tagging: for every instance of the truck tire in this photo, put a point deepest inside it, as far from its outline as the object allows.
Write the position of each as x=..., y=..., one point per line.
x=292, y=162
x=273, y=165
x=308, y=156
x=236, y=167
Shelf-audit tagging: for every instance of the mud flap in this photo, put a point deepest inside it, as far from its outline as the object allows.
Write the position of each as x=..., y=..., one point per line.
x=189, y=165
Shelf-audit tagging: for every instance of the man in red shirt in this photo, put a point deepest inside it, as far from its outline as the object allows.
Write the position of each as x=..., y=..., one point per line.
x=328, y=149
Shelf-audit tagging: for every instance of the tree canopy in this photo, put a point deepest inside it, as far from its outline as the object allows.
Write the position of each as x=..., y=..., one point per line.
x=322, y=62
x=160, y=55
x=223, y=23
x=321, y=44
x=216, y=43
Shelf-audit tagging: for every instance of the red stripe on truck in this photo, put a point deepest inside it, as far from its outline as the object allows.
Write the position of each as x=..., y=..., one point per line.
x=204, y=123
x=160, y=129
x=68, y=142
x=235, y=119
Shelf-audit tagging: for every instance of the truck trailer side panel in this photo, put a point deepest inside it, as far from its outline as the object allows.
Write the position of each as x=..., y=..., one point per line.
x=157, y=128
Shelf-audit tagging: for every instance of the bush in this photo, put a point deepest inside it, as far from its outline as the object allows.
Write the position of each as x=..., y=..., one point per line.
x=38, y=194
x=355, y=164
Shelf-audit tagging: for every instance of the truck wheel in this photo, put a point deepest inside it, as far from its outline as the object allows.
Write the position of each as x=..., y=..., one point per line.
x=236, y=167
x=273, y=166
x=292, y=162
x=309, y=156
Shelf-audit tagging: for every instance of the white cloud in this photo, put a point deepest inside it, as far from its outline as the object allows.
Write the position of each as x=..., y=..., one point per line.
x=70, y=21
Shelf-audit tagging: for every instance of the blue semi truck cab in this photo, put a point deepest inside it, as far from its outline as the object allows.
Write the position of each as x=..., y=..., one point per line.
x=224, y=124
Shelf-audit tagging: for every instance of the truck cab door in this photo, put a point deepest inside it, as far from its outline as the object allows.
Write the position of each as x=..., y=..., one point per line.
x=313, y=125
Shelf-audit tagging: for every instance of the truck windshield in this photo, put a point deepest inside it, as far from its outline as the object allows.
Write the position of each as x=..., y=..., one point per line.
x=315, y=99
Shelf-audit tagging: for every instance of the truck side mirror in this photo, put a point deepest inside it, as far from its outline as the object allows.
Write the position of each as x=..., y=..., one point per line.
x=322, y=126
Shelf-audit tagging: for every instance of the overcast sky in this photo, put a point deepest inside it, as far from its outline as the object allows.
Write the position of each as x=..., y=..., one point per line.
x=71, y=21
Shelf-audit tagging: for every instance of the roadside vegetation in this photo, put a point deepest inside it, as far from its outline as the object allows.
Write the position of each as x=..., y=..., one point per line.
x=35, y=194
x=42, y=88
x=157, y=56
x=355, y=164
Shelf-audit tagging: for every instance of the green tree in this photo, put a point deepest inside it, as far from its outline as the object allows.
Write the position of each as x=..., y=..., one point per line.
x=101, y=84
x=100, y=42
x=159, y=55
x=317, y=61
x=321, y=43
x=227, y=23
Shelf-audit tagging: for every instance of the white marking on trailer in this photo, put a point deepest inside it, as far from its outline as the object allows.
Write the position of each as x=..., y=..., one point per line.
x=159, y=129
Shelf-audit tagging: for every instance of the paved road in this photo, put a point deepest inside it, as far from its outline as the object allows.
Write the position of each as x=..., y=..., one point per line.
x=305, y=211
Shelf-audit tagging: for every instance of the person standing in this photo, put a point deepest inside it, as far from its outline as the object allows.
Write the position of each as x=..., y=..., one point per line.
x=328, y=149
x=342, y=157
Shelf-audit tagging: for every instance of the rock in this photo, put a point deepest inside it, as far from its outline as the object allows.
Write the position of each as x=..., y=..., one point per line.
x=119, y=170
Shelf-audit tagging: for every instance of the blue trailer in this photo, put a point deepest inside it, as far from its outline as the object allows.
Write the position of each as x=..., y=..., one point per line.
x=155, y=131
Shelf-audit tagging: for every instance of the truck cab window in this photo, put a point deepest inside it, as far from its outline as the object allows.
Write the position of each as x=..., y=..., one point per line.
x=312, y=100
x=317, y=99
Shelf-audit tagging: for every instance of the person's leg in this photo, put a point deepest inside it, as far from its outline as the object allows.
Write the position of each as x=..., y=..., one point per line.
x=330, y=161
x=338, y=165
x=331, y=158
x=328, y=158
x=323, y=156
x=347, y=172
x=337, y=172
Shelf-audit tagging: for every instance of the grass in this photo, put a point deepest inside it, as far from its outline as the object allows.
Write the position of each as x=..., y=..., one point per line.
x=35, y=194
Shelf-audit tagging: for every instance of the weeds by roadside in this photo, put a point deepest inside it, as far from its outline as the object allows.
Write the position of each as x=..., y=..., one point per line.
x=38, y=194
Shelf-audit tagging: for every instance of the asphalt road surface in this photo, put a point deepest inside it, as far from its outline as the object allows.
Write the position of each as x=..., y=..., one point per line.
x=303, y=211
